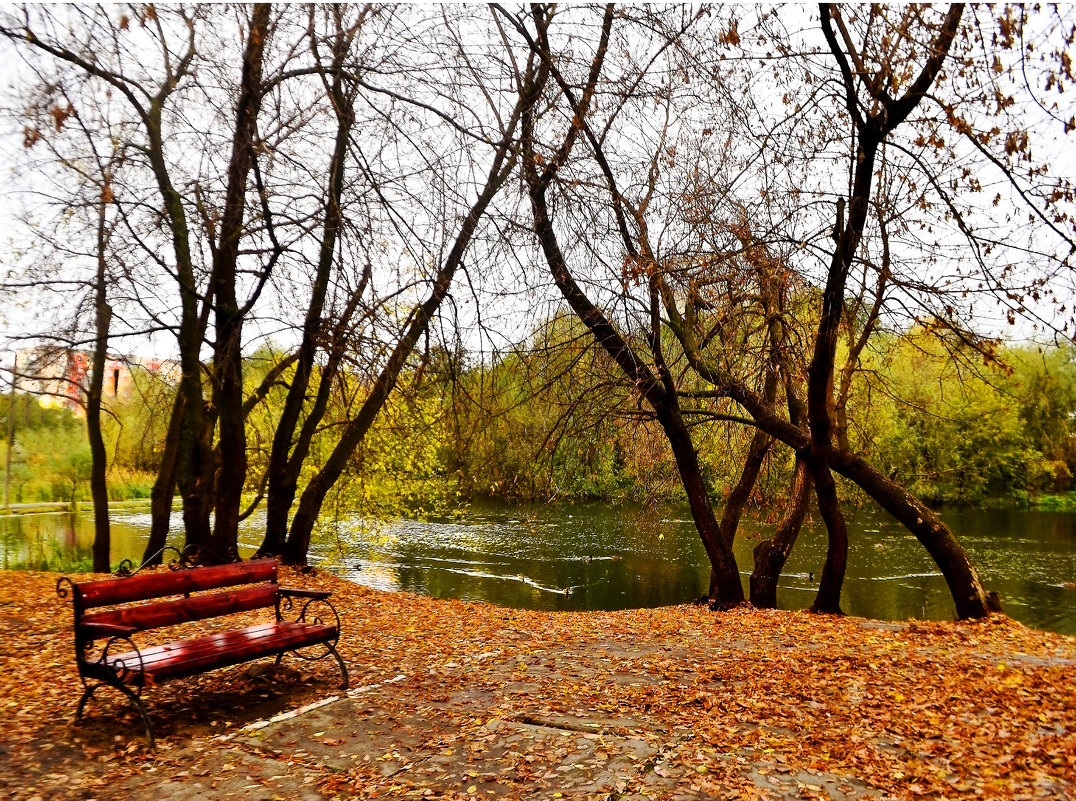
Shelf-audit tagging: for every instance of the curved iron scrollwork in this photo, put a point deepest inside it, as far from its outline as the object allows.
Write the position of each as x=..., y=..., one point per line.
x=123, y=671
x=323, y=614
x=315, y=611
x=190, y=556
x=284, y=605
x=63, y=591
x=127, y=569
x=120, y=674
x=317, y=619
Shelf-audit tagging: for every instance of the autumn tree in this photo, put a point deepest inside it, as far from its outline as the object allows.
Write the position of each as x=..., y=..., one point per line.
x=654, y=380
x=75, y=227
x=869, y=99
x=455, y=140
x=148, y=63
x=293, y=81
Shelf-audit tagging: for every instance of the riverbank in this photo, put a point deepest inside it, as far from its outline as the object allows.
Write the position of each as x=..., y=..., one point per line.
x=426, y=497
x=460, y=700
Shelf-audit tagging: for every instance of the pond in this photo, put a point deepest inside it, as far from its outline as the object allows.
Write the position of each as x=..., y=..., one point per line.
x=595, y=556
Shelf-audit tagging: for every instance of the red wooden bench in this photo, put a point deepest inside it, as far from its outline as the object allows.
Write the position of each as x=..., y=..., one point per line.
x=115, y=610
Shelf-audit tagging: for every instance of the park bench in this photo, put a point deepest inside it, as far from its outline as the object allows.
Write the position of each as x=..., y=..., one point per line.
x=114, y=611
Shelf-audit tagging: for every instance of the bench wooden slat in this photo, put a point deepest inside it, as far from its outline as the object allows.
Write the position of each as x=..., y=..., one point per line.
x=184, y=610
x=206, y=643
x=187, y=657
x=92, y=594
x=209, y=643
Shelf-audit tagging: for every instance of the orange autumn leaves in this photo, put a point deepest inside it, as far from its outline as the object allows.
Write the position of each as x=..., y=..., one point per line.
x=952, y=710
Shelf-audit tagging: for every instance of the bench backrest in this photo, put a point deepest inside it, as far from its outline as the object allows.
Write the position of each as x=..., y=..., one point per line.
x=111, y=592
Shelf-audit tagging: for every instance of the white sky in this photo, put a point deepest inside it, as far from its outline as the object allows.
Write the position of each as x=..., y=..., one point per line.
x=33, y=312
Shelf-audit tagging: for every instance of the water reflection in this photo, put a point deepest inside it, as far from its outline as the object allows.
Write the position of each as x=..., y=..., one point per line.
x=611, y=557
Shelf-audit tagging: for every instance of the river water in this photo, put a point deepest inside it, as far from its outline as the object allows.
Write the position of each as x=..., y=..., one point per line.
x=595, y=556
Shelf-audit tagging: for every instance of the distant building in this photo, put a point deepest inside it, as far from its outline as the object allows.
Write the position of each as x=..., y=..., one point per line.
x=60, y=376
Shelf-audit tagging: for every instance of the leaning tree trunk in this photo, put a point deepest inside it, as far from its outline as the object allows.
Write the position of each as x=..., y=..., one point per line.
x=660, y=395
x=828, y=598
x=969, y=595
x=771, y=554
x=726, y=589
x=284, y=485
x=297, y=545
x=310, y=502
x=286, y=457
x=283, y=478
x=873, y=121
x=971, y=598
x=736, y=501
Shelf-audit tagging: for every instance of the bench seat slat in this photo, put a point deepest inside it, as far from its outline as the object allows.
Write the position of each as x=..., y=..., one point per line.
x=106, y=592
x=210, y=643
x=184, y=610
x=187, y=657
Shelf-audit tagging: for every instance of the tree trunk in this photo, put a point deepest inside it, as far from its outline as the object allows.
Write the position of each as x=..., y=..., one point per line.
x=297, y=545
x=164, y=488
x=285, y=483
x=761, y=441
x=310, y=503
x=871, y=132
x=98, y=481
x=98, y=455
x=228, y=353
x=192, y=460
x=737, y=498
x=971, y=598
x=726, y=589
x=771, y=554
x=192, y=449
x=285, y=463
x=828, y=599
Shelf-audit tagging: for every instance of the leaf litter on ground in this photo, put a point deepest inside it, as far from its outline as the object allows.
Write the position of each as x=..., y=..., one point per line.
x=727, y=701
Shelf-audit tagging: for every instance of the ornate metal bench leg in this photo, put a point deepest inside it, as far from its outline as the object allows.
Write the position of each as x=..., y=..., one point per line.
x=343, y=668
x=141, y=710
x=82, y=701
x=131, y=694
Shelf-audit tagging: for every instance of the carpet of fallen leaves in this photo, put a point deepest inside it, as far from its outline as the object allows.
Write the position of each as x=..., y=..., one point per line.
x=955, y=710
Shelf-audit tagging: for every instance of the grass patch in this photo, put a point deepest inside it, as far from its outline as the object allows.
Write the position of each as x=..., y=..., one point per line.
x=1065, y=502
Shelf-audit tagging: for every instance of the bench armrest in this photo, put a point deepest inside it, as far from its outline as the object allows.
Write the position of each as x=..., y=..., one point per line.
x=102, y=630
x=320, y=595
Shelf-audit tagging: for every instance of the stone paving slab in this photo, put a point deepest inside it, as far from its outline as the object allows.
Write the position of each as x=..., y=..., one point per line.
x=229, y=772
x=526, y=758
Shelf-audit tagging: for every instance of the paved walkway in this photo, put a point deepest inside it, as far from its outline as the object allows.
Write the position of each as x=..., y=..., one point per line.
x=416, y=751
